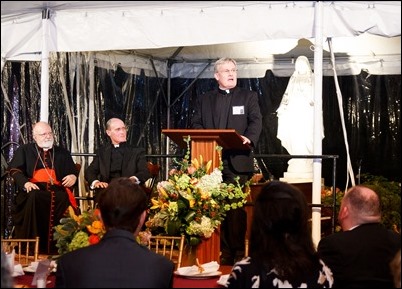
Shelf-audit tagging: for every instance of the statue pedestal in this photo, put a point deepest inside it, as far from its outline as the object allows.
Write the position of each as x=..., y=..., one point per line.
x=293, y=178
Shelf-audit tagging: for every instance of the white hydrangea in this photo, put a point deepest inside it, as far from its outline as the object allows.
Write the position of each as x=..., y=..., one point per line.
x=210, y=182
x=204, y=229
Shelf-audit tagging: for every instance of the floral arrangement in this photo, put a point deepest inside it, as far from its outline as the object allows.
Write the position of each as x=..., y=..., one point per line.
x=76, y=232
x=193, y=201
x=327, y=200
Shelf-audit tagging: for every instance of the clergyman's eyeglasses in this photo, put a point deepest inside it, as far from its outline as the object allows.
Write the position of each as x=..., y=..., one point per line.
x=45, y=134
x=229, y=71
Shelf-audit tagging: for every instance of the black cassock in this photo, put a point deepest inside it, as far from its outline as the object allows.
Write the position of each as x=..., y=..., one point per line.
x=37, y=212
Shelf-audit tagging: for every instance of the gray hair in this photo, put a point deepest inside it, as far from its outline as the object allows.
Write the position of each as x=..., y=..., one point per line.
x=364, y=204
x=109, y=122
x=222, y=61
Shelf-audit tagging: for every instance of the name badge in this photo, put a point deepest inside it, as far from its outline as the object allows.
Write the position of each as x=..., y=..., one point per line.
x=238, y=110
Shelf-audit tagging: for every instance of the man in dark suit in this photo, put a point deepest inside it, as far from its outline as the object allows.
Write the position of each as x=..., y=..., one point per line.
x=230, y=107
x=116, y=159
x=359, y=257
x=118, y=260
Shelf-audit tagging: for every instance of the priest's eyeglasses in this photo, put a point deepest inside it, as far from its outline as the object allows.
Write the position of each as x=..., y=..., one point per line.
x=229, y=71
x=45, y=134
x=119, y=129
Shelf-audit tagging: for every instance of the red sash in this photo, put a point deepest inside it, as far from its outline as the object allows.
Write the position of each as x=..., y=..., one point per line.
x=44, y=175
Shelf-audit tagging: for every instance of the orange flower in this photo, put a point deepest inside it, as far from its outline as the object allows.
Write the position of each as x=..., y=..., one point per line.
x=97, y=214
x=96, y=227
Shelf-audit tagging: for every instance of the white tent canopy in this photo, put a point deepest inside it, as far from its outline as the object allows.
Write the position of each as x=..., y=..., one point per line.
x=261, y=35
x=182, y=38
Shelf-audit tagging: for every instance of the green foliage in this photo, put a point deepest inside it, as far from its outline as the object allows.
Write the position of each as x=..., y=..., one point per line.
x=390, y=195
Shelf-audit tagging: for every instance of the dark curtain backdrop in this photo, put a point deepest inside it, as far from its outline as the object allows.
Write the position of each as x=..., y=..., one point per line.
x=371, y=105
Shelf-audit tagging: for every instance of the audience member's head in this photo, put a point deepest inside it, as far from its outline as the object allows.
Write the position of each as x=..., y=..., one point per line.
x=360, y=205
x=395, y=266
x=280, y=232
x=123, y=205
x=6, y=275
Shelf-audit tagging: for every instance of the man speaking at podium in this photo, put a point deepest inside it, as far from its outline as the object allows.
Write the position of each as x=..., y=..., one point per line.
x=231, y=107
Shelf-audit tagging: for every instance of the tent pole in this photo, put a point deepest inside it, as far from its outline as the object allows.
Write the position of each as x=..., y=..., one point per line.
x=44, y=99
x=169, y=85
x=317, y=142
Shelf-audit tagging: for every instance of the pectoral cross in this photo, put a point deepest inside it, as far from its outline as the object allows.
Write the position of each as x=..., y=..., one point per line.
x=47, y=163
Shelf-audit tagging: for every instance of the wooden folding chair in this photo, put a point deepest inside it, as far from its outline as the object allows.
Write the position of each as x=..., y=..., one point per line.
x=150, y=184
x=246, y=248
x=169, y=246
x=26, y=250
x=86, y=200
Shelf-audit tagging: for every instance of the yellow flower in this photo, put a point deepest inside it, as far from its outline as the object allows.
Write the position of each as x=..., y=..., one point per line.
x=72, y=214
x=157, y=204
x=192, y=203
x=195, y=163
x=162, y=191
x=208, y=165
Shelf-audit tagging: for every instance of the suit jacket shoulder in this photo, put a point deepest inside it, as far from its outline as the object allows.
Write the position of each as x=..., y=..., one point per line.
x=117, y=261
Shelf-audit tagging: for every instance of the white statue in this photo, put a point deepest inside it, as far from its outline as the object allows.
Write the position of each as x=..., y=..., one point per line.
x=296, y=119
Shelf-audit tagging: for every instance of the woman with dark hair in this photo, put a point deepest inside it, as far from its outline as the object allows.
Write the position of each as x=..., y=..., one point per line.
x=282, y=252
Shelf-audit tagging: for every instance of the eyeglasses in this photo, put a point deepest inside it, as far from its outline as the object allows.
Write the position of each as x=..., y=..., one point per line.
x=228, y=71
x=45, y=134
x=120, y=129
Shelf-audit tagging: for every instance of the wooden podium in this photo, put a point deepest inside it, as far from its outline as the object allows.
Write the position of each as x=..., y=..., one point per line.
x=204, y=142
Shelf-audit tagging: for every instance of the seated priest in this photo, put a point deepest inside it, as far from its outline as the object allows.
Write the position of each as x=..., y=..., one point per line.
x=116, y=159
x=44, y=174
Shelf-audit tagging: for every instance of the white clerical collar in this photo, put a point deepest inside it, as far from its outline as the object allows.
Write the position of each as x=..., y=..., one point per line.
x=354, y=227
x=116, y=145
